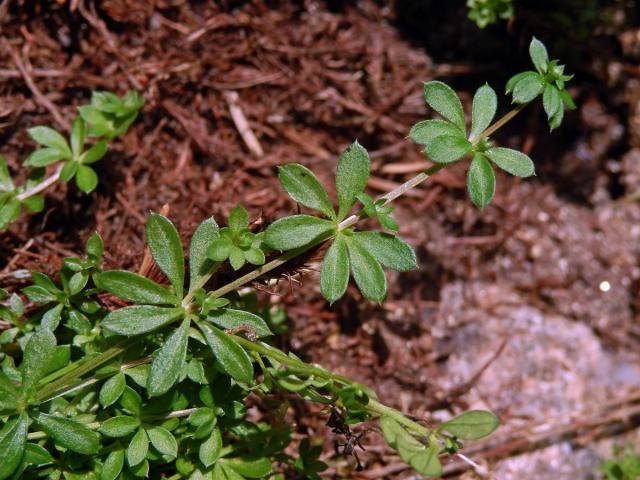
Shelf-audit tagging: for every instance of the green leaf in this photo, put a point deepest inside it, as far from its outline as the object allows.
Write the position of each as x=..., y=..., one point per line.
x=424, y=132
x=77, y=282
x=304, y=187
x=38, y=294
x=529, y=86
x=220, y=249
x=567, y=100
x=13, y=438
x=164, y=242
x=112, y=465
x=38, y=354
x=112, y=390
x=131, y=400
x=231, y=356
x=472, y=425
x=250, y=468
x=86, y=179
x=538, y=54
x=551, y=100
x=50, y=138
x=78, y=136
x=351, y=177
x=254, y=256
x=232, y=319
x=448, y=149
x=481, y=181
x=512, y=161
x=43, y=157
x=6, y=184
x=485, y=104
x=95, y=246
x=163, y=441
x=297, y=231
x=35, y=203
x=209, y=451
x=139, y=319
x=8, y=392
x=134, y=287
x=70, y=434
x=391, y=251
x=445, y=101
x=511, y=83
x=69, y=170
x=556, y=120
x=236, y=258
x=238, y=218
x=421, y=458
x=119, y=426
x=199, y=264
x=367, y=272
x=168, y=364
x=96, y=152
x=138, y=448
x=334, y=274
x=34, y=454
x=9, y=213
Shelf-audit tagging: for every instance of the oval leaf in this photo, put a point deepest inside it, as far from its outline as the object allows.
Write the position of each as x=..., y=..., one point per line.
x=166, y=248
x=38, y=354
x=112, y=390
x=539, y=55
x=138, y=448
x=70, y=434
x=445, y=101
x=367, y=272
x=448, y=149
x=551, y=100
x=163, y=441
x=231, y=356
x=304, y=187
x=48, y=137
x=230, y=319
x=13, y=438
x=512, y=161
x=199, y=263
x=119, y=426
x=250, y=468
x=527, y=88
x=351, y=177
x=472, y=425
x=133, y=287
x=424, y=132
x=481, y=181
x=485, y=103
x=209, y=451
x=391, y=251
x=169, y=363
x=297, y=231
x=139, y=319
x=86, y=179
x=112, y=465
x=334, y=274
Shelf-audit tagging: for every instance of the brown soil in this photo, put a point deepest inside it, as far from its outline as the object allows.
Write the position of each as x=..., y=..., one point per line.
x=552, y=258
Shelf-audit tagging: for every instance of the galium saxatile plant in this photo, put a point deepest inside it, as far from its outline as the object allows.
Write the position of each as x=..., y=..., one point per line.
x=157, y=388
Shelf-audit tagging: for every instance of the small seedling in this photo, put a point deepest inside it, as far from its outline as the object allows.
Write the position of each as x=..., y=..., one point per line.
x=157, y=388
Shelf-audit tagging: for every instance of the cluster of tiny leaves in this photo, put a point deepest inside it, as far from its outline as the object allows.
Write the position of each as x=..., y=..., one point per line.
x=158, y=386
x=488, y=12
x=361, y=254
x=106, y=117
x=447, y=140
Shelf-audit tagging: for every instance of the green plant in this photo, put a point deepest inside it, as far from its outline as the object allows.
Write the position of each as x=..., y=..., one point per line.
x=105, y=118
x=488, y=12
x=624, y=466
x=158, y=387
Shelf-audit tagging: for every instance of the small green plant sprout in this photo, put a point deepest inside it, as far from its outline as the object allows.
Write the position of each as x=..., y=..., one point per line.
x=548, y=79
x=237, y=243
x=447, y=140
x=361, y=254
x=488, y=12
x=105, y=118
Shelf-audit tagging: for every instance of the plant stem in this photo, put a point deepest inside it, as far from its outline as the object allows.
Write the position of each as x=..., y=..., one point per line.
x=500, y=123
x=43, y=185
